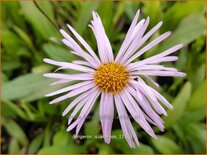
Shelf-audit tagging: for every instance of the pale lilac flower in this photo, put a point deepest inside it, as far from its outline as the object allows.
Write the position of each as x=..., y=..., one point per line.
x=119, y=81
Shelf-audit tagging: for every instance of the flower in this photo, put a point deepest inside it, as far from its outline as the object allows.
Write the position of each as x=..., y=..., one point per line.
x=119, y=81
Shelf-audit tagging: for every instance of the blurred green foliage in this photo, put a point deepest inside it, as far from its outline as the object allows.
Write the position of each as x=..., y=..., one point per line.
x=31, y=125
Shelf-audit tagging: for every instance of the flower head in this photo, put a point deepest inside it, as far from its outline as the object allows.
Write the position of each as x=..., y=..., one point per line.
x=119, y=81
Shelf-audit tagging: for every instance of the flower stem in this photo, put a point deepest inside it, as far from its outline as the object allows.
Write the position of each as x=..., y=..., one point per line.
x=38, y=7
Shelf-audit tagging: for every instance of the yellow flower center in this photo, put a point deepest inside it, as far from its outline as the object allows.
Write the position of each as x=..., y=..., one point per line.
x=111, y=77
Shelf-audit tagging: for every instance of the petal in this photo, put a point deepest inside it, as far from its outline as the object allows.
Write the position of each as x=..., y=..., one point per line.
x=72, y=93
x=126, y=125
x=158, y=58
x=142, y=87
x=85, y=63
x=161, y=98
x=83, y=42
x=84, y=112
x=152, y=81
x=70, y=42
x=128, y=38
x=104, y=46
x=66, y=89
x=69, y=76
x=77, y=100
x=67, y=65
x=136, y=112
x=159, y=73
x=146, y=107
x=136, y=42
x=148, y=46
x=106, y=115
x=60, y=82
x=152, y=67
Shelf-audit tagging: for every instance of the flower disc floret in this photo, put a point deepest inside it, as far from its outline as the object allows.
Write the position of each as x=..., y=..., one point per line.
x=111, y=77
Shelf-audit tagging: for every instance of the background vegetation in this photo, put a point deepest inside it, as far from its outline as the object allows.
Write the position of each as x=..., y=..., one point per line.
x=31, y=125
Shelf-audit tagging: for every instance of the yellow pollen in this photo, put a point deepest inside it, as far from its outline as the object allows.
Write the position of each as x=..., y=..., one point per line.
x=111, y=77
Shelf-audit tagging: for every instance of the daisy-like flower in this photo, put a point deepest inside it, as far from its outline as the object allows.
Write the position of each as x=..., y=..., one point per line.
x=121, y=82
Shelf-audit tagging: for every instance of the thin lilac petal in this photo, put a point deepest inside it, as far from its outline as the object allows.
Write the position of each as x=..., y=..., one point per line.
x=152, y=81
x=106, y=115
x=136, y=112
x=72, y=93
x=77, y=100
x=78, y=107
x=129, y=36
x=161, y=98
x=60, y=82
x=136, y=43
x=69, y=76
x=85, y=63
x=84, y=112
x=104, y=46
x=126, y=42
x=149, y=46
x=122, y=113
x=146, y=107
x=138, y=64
x=77, y=50
x=152, y=67
x=148, y=93
x=69, y=65
x=160, y=73
x=83, y=42
x=161, y=56
x=71, y=87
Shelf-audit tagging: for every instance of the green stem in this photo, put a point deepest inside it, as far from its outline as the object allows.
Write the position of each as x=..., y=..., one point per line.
x=56, y=27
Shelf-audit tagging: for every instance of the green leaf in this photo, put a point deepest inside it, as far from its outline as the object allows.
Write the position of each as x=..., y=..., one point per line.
x=180, y=10
x=69, y=149
x=35, y=144
x=62, y=138
x=154, y=11
x=85, y=15
x=105, y=149
x=39, y=22
x=186, y=31
x=58, y=53
x=105, y=12
x=179, y=105
x=194, y=115
x=19, y=134
x=47, y=136
x=10, y=41
x=143, y=149
x=14, y=146
x=25, y=38
x=199, y=75
x=198, y=98
x=166, y=145
x=27, y=87
x=118, y=141
x=94, y=123
x=197, y=134
x=11, y=109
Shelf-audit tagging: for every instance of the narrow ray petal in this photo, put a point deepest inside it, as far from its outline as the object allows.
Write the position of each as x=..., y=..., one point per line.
x=72, y=93
x=69, y=65
x=106, y=115
x=77, y=100
x=83, y=42
x=149, y=46
x=126, y=125
x=71, y=87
